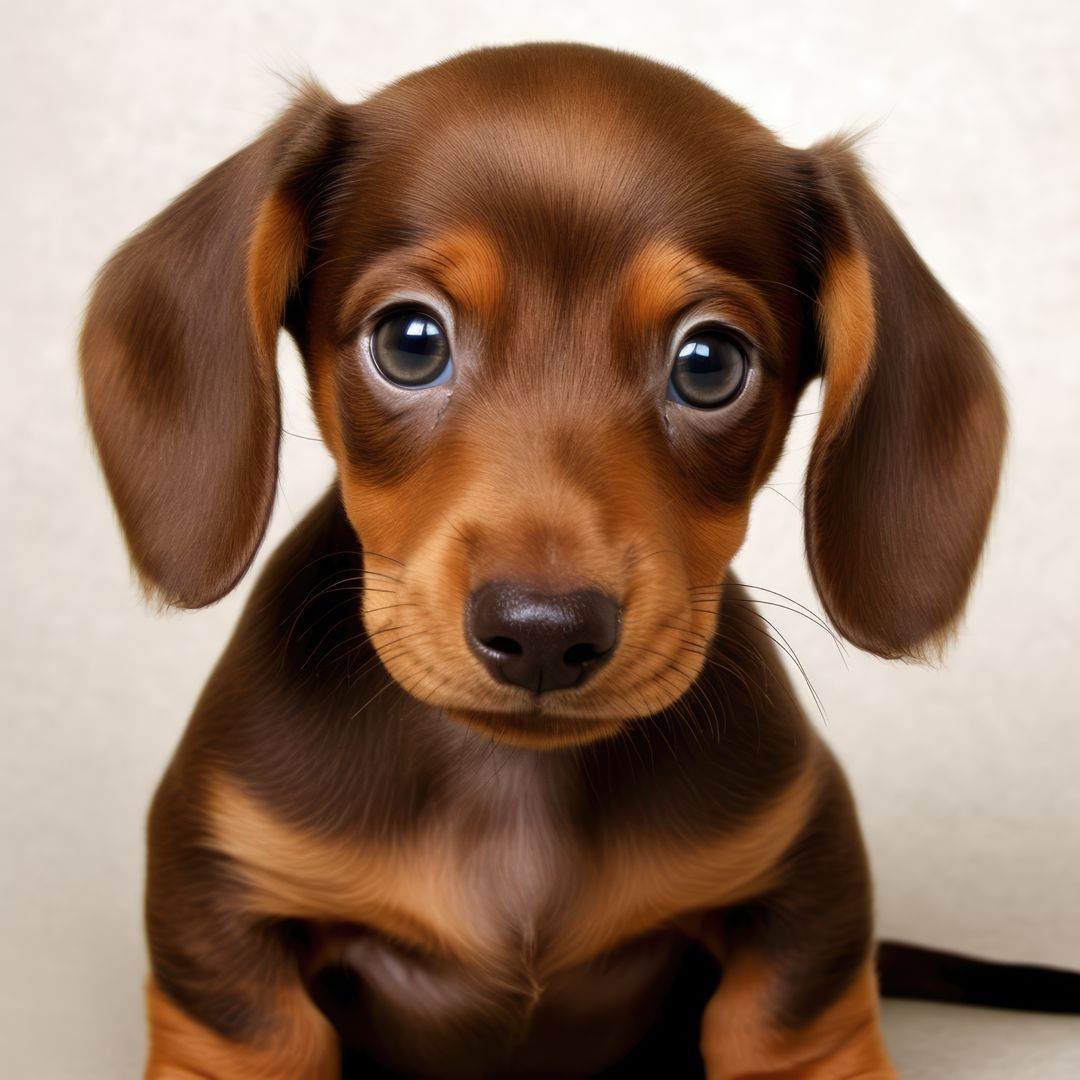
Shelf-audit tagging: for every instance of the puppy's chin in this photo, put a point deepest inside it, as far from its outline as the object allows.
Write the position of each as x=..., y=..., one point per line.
x=541, y=721
x=537, y=729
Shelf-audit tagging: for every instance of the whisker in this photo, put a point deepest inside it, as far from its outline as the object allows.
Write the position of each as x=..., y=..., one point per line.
x=388, y=607
x=313, y=594
x=641, y=558
x=777, y=491
x=745, y=647
x=798, y=609
x=314, y=654
x=307, y=566
x=783, y=643
x=368, y=553
x=750, y=605
x=378, y=693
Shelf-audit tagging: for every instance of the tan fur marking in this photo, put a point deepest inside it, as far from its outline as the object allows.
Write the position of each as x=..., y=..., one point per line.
x=464, y=262
x=636, y=889
x=740, y=1041
x=664, y=277
x=275, y=259
x=421, y=895
x=467, y=263
x=657, y=281
x=409, y=893
x=302, y=1045
x=847, y=323
x=324, y=401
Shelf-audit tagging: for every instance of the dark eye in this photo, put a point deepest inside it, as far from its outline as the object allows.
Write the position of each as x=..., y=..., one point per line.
x=710, y=369
x=411, y=349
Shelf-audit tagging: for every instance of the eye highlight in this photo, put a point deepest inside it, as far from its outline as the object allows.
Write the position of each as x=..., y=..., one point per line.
x=710, y=369
x=411, y=349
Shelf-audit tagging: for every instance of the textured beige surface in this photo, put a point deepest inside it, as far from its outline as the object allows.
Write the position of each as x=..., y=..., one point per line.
x=946, y=1042
x=967, y=776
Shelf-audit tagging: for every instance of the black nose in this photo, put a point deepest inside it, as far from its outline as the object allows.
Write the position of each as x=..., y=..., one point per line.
x=539, y=641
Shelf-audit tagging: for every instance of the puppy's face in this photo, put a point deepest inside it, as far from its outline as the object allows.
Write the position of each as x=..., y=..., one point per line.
x=554, y=360
x=557, y=305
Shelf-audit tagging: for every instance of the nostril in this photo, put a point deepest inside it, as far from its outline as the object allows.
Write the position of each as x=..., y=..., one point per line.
x=579, y=655
x=504, y=645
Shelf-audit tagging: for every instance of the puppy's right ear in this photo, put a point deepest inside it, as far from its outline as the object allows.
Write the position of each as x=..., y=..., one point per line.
x=178, y=355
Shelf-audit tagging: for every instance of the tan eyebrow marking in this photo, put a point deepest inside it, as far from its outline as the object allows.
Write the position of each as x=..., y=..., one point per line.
x=664, y=278
x=657, y=281
x=467, y=264
x=464, y=263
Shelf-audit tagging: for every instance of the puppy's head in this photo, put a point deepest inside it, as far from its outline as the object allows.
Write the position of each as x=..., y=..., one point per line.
x=557, y=305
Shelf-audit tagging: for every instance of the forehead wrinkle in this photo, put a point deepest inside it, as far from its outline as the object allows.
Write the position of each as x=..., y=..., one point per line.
x=463, y=264
x=665, y=279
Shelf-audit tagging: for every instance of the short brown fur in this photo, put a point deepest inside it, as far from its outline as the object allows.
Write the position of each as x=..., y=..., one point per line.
x=466, y=877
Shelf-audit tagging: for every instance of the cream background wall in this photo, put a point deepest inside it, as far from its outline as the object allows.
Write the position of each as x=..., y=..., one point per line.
x=968, y=776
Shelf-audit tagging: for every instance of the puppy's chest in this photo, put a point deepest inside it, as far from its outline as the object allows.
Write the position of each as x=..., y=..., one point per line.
x=516, y=874
x=513, y=872
x=499, y=896
x=498, y=871
x=509, y=907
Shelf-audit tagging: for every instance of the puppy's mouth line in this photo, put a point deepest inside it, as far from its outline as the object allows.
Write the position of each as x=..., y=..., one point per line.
x=604, y=706
x=536, y=725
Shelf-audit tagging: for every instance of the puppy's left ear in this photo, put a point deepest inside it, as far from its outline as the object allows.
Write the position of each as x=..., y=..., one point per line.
x=905, y=466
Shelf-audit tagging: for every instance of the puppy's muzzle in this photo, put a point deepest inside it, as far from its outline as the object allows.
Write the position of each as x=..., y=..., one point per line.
x=540, y=641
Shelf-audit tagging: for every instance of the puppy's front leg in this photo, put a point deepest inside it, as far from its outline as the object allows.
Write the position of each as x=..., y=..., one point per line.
x=799, y=998
x=225, y=1000
x=290, y=1040
x=743, y=1039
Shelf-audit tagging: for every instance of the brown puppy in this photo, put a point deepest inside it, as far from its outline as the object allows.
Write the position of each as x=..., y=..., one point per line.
x=500, y=753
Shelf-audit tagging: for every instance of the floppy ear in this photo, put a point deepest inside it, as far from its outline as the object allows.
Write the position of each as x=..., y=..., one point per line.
x=178, y=356
x=904, y=469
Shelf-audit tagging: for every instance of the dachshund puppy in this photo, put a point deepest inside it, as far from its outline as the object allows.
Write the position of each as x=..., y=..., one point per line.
x=500, y=774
